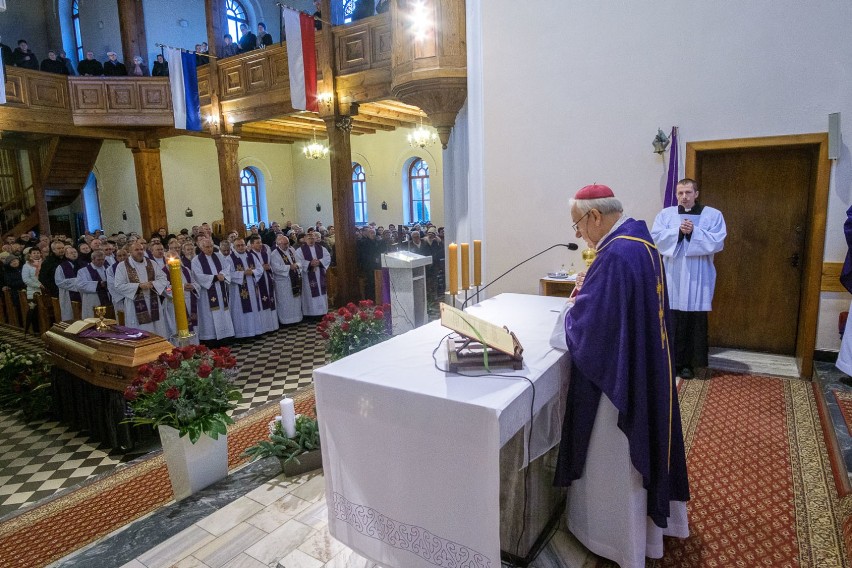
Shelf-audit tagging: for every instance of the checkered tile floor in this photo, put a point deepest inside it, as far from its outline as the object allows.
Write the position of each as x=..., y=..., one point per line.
x=40, y=459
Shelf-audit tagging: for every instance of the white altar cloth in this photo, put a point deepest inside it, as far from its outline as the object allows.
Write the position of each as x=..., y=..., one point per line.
x=411, y=454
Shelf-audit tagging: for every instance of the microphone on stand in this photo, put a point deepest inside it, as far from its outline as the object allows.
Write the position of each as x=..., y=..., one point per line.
x=569, y=246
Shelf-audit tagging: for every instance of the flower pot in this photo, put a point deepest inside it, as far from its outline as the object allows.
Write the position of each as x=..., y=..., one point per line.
x=308, y=461
x=193, y=467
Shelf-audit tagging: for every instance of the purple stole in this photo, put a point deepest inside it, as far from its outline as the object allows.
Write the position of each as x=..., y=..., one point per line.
x=192, y=308
x=317, y=287
x=266, y=284
x=187, y=263
x=212, y=295
x=103, y=294
x=69, y=272
x=245, y=299
x=143, y=315
x=295, y=282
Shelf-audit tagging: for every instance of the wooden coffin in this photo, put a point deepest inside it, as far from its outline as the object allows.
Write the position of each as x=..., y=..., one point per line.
x=106, y=363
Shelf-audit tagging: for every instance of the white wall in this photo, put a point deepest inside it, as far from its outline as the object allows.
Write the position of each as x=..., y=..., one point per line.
x=25, y=20
x=161, y=26
x=99, y=28
x=579, y=93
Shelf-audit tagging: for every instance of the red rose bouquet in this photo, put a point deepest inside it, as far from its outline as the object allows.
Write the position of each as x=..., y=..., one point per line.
x=190, y=389
x=353, y=328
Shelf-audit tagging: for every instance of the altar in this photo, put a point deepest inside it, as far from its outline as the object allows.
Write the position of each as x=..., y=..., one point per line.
x=413, y=456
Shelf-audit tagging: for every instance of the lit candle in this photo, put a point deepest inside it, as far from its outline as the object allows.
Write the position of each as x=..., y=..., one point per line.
x=178, y=301
x=288, y=417
x=465, y=266
x=453, y=266
x=477, y=263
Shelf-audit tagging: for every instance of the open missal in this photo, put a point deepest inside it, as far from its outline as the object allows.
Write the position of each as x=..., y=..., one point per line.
x=484, y=345
x=84, y=324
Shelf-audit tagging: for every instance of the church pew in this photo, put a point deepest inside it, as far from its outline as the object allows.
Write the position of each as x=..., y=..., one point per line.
x=11, y=312
x=45, y=312
x=57, y=310
x=77, y=310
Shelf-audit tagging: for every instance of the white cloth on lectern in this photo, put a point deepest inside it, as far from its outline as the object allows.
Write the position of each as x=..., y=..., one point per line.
x=607, y=507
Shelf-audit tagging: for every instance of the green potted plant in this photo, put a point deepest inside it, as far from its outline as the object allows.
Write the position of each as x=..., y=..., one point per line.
x=186, y=395
x=353, y=328
x=24, y=383
x=297, y=454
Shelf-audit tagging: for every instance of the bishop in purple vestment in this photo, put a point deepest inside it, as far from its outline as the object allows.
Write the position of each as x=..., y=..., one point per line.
x=623, y=384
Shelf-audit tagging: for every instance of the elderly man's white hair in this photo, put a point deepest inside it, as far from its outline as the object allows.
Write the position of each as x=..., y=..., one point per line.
x=605, y=205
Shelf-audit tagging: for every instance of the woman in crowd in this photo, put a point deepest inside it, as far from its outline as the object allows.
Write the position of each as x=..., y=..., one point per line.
x=138, y=69
x=29, y=274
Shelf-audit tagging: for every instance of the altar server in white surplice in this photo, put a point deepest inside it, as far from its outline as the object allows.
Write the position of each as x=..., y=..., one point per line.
x=92, y=284
x=288, y=281
x=140, y=284
x=245, y=299
x=213, y=277
x=314, y=260
x=265, y=284
x=66, y=281
x=688, y=235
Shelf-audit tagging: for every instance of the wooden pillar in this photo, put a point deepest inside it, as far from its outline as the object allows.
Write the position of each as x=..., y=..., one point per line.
x=149, y=184
x=227, y=148
x=38, y=170
x=131, y=20
x=216, y=26
x=343, y=203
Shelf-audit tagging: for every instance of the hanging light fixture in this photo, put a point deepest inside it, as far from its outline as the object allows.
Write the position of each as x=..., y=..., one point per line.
x=315, y=150
x=421, y=137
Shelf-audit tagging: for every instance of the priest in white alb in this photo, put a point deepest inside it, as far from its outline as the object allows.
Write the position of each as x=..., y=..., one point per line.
x=288, y=281
x=245, y=297
x=314, y=260
x=213, y=278
x=140, y=284
x=688, y=235
x=265, y=284
x=92, y=284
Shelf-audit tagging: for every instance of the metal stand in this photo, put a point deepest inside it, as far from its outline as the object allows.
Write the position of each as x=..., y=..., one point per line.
x=182, y=339
x=452, y=298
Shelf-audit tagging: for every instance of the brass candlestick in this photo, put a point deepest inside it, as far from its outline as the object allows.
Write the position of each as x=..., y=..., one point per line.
x=100, y=312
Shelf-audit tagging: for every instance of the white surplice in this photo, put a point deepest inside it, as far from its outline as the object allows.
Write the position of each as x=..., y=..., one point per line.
x=246, y=323
x=127, y=291
x=66, y=286
x=88, y=288
x=117, y=301
x=212, y=323
x=690, y=274
x=289, y=307
x=268, y=317
x=312, y=306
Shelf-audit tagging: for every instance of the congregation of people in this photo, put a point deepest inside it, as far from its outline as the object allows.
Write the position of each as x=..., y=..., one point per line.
x=235, y=287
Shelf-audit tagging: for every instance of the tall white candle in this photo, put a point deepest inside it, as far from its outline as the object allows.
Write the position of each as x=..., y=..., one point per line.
x=288, y=417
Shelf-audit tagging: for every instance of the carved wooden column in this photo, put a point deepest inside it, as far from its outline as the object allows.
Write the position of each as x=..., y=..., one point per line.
x=227, y=148
x=38, y=170
x=430, y=72
x=343, y=203
x=149, y=184
x=131, y=20
x=216, y=25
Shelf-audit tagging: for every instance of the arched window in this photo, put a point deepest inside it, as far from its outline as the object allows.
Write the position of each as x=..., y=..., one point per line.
x=249, y=195
x=78, y=37
x=359, y=186
x=236, y=15
x=419, y=196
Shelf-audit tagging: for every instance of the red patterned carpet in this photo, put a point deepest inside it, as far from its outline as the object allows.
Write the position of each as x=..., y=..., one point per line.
x=762, y=489
x=844, y=401
x=68, y=522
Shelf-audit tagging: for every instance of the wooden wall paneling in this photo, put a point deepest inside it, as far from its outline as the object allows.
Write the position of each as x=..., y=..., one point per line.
x=122, y=96
x=48, y=91
x=279, y=70
x=353, y=49
x=380, y=38
x=257, y=74
x=15, y=89
x=231, y=80
x=88, y=94
x=154, y=96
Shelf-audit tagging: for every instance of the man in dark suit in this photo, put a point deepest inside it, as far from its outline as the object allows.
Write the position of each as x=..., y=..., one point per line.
x=113, y=67
x=248, y=40
x=24, y=57
x=90, y=66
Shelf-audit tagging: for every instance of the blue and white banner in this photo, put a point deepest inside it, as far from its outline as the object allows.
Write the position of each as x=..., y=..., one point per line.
x=183, y=78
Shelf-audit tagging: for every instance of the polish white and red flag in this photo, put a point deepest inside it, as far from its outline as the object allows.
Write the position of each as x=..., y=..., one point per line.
x=302, y=59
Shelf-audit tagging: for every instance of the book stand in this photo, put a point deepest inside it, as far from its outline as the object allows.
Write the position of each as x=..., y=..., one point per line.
x=476, y=339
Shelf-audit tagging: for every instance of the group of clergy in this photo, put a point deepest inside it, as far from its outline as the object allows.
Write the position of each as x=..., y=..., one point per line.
x=240, y=291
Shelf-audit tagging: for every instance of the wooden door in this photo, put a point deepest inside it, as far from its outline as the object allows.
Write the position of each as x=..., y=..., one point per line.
x=763, y=194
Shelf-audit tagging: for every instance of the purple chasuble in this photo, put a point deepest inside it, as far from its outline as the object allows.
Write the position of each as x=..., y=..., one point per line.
x=70, y=271
x=245, y=298
x=103, y=293
x=214, y=291
x=317, y=287
x=617, y=335
x=846, y=273
x=265, y=285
